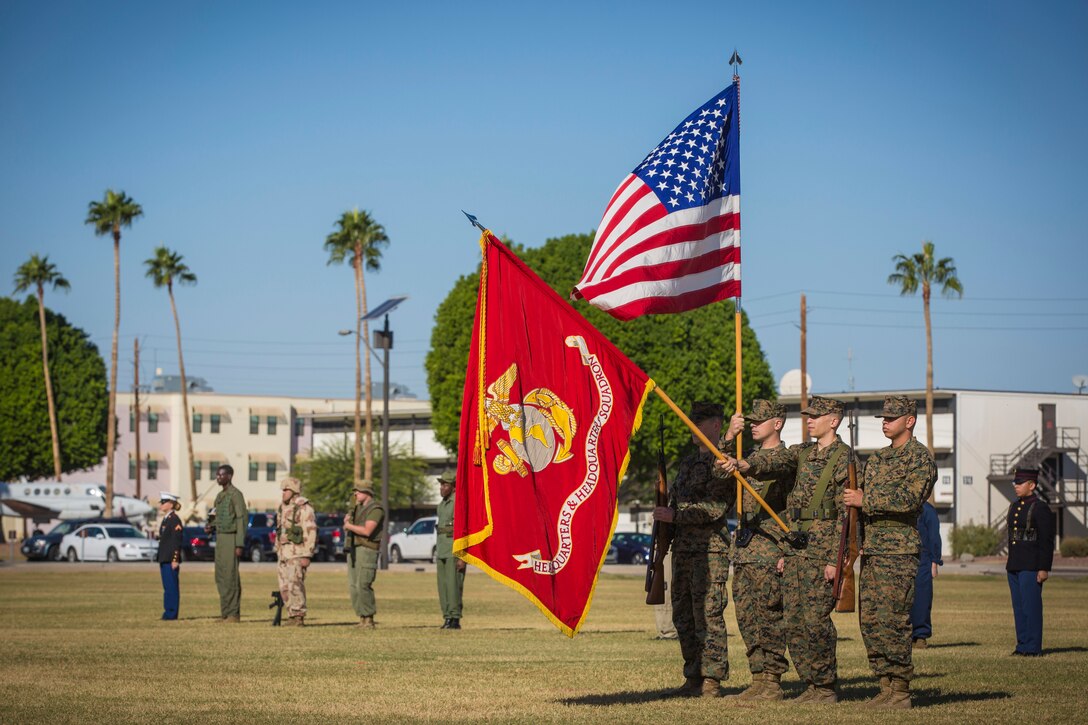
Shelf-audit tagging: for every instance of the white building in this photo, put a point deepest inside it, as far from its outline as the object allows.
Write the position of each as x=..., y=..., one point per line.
x=979, y=437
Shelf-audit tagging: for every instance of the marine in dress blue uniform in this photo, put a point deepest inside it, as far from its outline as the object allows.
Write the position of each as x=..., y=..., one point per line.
x=929, y=558
x=1031, y=553
x=169, y=557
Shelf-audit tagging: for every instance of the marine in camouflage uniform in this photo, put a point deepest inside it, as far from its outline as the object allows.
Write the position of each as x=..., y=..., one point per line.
x=296, y=537
x=757, y=547
x=363, y=526
x=808, y=596
x=698, y=504
x=896, y=482
x=231, y=522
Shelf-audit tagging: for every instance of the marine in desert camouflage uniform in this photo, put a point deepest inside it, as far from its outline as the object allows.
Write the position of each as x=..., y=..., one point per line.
x=698, y=504
x=896, y=483
x=812, y=508
x=296, y=537
x=757, y=547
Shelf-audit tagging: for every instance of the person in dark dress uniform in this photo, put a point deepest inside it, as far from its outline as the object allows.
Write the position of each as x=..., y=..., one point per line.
x=169, y=558
x=1031, y=553
x=929, y=559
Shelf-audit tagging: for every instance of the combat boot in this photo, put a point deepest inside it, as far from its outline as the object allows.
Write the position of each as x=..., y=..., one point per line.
x=455, y=624
x=232, y=619
x=770, y=690
x=751, y=693
x=366, y=623
x=823, y=695
x=711, y=687
x=692, y=687
x=898, y=696
x=293, y=622
x=805, y=696
x=885, y=690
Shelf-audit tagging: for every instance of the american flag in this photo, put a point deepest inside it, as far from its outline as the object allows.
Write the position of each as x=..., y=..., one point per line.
x=670, y=237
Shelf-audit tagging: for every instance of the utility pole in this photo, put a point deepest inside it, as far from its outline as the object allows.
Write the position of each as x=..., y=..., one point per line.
x=804, y=370
x=136, y=407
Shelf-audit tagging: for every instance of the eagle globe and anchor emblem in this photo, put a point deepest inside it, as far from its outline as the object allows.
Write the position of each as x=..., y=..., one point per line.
x=539, y=429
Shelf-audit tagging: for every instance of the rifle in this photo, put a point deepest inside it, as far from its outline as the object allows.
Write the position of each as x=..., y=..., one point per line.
x=848, y=544
x=662, y=532
x=277, y=602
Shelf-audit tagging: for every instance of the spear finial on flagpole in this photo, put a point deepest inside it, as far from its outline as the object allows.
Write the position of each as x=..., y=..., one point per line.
x=474, y=221
x=736, y=62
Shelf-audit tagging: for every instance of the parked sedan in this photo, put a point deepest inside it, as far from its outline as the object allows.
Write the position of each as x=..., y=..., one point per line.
x=47, y=546
x=108, y=542
x=196, y=545
x=418, y=542
x=629, y=548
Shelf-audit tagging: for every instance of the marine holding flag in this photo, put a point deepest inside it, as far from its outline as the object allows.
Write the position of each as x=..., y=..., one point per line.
x=549, y=408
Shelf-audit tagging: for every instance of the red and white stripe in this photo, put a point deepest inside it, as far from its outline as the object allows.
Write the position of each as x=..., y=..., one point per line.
x=647, y=261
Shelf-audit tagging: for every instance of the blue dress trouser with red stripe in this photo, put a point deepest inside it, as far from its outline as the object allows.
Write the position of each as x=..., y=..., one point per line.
x=171, y=592
x=1027, y=610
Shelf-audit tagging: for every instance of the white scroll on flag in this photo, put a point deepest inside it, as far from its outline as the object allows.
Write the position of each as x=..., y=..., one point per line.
x=670, y=237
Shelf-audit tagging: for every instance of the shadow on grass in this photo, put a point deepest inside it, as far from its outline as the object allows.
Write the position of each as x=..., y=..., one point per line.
x=867, y=688
x=933, y=698
x=948, y=645
x=629, y=697
x=1061, y=650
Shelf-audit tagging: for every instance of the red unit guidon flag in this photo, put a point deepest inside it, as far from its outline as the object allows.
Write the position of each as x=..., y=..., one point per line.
x=549, y=409
x=670, y=237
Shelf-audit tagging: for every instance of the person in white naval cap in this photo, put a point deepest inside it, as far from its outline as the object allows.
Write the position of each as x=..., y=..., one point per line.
x=169, y=558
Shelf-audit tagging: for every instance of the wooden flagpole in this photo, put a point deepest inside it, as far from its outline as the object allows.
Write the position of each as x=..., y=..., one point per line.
x=720, y=456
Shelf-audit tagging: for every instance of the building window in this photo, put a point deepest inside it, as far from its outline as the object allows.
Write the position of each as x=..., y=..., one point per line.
x=152, y=422
x=253, y=468
x=254, y=424
x=197, y=469
x=152, y=470
x=215, y=422
x=300, y=427
x=132, y=468
x=270, y=471
x=213, y=469
x=271, y=423
x=198, y=422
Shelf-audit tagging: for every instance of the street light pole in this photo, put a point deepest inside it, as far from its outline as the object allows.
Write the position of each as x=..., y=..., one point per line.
x=383, y=340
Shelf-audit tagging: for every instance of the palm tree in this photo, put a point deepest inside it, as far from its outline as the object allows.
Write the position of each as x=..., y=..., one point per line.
x=925, y=270
x=36, y=273
x=359, y=238
x=164, y=269
x=116, y=210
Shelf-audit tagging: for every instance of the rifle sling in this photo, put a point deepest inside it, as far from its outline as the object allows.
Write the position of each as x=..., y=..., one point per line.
x=807, y=514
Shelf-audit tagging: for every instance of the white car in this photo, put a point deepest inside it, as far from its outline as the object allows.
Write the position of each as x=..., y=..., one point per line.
x=108, y=542
x=418, y=542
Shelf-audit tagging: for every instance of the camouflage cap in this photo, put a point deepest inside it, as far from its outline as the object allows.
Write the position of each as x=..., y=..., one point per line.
x=1025, y=475
x=291, y=484
x=448, y=476
x=818, y=406
x=896, y=406
x=363, y=486
x=763, y=410
x=704, y=410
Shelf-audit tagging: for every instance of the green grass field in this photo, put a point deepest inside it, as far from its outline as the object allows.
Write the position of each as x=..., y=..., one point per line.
x=84, y=644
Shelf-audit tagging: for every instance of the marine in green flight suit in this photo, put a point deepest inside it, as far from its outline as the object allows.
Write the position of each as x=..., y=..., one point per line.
x=451, y=570
x=363, y=525
x=231, y=521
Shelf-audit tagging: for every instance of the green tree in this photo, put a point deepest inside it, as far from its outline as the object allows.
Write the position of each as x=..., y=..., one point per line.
x=36, y=273
x=690, y=355
x=79, y=386
x=164, y=269
x=116, y=210
x=359, y=239
x=327, y=476
x=923, y=271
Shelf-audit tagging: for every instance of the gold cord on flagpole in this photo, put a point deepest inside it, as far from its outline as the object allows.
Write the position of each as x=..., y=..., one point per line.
x=714, y=449
x=740, y=408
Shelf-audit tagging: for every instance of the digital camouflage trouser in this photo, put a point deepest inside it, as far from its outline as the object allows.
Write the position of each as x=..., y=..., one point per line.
x=227, y=581
x=451, y=585
x=360, y=581
x=292, y=579
x=757, y=594
x=699, y=597
x=887, y=594
x=808, y=599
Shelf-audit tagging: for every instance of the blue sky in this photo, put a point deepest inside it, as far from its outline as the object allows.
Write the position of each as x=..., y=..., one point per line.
x=244, y=130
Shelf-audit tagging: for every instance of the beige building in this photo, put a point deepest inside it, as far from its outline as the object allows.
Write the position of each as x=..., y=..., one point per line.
x=259, y=436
